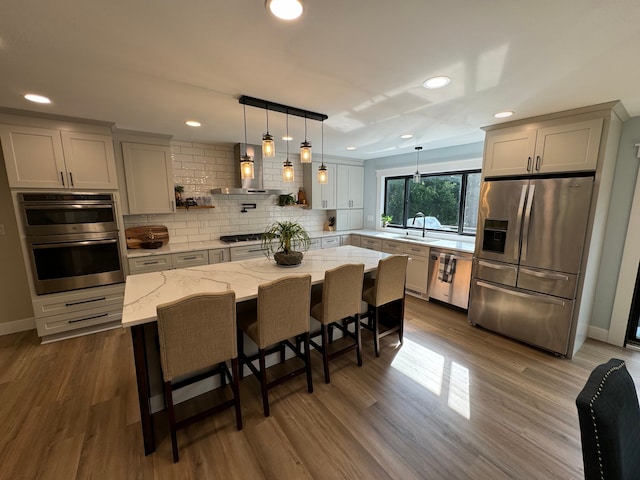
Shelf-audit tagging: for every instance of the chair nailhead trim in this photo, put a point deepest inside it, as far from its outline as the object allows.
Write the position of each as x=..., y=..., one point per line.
x=593, y=417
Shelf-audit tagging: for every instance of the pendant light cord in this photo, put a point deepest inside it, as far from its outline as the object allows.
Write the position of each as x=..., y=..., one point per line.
x=244, y=110
x=322, y=143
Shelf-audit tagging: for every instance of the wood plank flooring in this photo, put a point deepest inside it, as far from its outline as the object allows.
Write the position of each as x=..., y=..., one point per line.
x=454, y=402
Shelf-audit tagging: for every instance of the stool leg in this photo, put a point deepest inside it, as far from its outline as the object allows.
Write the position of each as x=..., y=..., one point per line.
x=235, y=385
x=376, y=331
x=325, y=352
x=307, y=355
x=263, y=382
x=168, y=398
x=358, y=334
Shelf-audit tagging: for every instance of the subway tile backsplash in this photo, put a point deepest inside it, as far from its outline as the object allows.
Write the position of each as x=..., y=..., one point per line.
x=202, y=167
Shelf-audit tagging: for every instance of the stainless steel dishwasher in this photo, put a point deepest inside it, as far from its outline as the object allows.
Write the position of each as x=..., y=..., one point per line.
x=453, y=286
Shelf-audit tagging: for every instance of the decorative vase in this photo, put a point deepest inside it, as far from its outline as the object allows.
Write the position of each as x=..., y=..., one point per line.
x=288, y=259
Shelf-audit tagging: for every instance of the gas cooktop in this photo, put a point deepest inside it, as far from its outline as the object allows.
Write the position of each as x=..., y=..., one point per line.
x=245, y=237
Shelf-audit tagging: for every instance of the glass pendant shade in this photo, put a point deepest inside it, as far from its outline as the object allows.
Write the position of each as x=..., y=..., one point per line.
x=268, y=146
x=305, y=152
x=246, y=167
x=287, y=172
x=323, y=177
x=416, y=176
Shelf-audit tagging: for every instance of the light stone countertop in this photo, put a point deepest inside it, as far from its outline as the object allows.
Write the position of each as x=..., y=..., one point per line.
x=145, y=291
x=454, y=245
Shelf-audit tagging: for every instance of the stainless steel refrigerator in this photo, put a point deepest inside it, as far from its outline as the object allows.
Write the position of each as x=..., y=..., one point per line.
x=527, y=262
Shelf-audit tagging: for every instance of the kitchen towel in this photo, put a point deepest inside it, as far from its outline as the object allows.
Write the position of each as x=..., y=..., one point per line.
x=447, y=267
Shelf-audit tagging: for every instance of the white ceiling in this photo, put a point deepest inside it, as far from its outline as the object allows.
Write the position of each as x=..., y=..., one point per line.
x=152, y=65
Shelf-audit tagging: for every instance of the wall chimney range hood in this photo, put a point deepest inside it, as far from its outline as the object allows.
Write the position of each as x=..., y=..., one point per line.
x=250, y=186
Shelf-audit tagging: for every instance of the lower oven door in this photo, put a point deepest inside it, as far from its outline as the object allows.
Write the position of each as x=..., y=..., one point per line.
x=68, y=262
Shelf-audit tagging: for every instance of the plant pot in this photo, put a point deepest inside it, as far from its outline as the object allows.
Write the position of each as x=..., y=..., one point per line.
x=288, y=259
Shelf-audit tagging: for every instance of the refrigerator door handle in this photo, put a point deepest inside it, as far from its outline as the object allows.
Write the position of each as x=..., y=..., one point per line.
x=523, y=196
x=540, y=298
x=554, y=276
x=497, y=267
x=527, y=223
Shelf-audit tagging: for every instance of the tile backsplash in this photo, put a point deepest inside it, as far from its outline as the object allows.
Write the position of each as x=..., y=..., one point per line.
x=202, y=167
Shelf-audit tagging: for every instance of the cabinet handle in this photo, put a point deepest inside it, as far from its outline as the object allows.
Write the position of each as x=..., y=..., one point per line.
x=189, y=258
x=538, y=163
x=153, y=262
x=71, y=304
x=528, y=164
x=62, y=179
x=71, y=180
x=88, y=318
x=173, y=206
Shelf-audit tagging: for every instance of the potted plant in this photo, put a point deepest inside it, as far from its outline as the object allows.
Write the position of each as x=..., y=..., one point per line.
x=385, y=219
x=283, y=239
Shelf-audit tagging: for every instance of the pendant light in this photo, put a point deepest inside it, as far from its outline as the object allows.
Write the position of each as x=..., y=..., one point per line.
x=305, y=147
x=323, y=176
x=287, y=168
x=268, y=145
x=416, y=176
x=246, y=162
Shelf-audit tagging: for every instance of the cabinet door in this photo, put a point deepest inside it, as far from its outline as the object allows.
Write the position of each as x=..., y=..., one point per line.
x=328, y=190
x=567, y=148
x=33, y=157
x=149, y=176
x=89, y=160
x=356, y=221
x=509, y=152
x=418, y=274
x=219, y=255
x=350, y=187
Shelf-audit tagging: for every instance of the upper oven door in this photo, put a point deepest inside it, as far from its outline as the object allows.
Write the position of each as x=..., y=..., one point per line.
x=66, y=214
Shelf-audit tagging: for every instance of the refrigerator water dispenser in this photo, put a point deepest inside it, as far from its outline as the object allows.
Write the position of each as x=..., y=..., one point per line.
x=495, y=235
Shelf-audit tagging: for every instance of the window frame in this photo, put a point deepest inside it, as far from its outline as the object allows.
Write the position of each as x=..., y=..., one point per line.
x=407, y=184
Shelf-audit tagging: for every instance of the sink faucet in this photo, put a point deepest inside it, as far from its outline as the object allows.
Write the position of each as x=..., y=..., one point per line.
x=424, y=221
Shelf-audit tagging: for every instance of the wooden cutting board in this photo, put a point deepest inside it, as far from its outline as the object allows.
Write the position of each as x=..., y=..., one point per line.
x=137, y=235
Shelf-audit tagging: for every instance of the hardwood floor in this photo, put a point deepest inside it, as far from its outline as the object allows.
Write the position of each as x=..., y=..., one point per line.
x=454, y=402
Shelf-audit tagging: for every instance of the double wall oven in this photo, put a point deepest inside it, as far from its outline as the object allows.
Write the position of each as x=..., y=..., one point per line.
x=71, y=239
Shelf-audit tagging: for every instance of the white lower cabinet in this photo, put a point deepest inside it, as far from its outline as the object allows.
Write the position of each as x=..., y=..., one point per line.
x=328, y=242
x=219, y=255
x=190, y=259
x=60, y=313
x=149, y=263
x=417, y=269
x=315, y=244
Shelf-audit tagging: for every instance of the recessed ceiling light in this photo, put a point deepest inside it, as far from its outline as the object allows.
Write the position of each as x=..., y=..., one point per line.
x=33, y=97
x=287, y=139
x=406, y=135
x=285, y=9
x=193, y=123
x=351, y=148
x=436, y=82
x=505, y=114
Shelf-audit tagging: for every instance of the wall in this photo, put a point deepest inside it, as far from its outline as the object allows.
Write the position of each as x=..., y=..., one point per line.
x=15, y=299
x=201, y=167
x=617, y=221
x=449, y=154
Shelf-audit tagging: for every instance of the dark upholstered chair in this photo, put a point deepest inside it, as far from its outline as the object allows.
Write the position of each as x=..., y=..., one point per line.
x=282, y=313
x=610, y=424
x=341, y=292
x=197, y=334
x=387, y=290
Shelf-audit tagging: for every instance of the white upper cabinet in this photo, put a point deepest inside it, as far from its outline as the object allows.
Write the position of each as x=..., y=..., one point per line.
x=148, y=172
x=550, y=148
x=350, y=187
x=323, y=196
x=47, y=158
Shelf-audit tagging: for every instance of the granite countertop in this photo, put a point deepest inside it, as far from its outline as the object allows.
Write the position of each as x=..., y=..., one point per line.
x=144, y=292
x=445, y=244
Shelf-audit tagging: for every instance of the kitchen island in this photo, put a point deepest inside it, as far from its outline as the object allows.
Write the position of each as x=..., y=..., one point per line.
x=144, y=292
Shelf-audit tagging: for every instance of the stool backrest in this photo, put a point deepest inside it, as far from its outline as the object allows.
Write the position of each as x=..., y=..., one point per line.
x=390, y=279
x=196, y=332
x=283, y=309
x=341, y=292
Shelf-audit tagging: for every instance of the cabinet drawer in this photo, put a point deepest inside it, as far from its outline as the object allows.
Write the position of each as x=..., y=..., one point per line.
x=151, y=263
x=315, y=244
x=355, y=240
x=219, y=255
x=80, y=301
x=390, y=246
x=371, y=243
x=189, y=259
x=411, y=249
x=330, y=242
x=63, y=323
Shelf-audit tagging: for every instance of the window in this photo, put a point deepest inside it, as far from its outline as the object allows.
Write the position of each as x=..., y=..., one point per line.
x=446, y=202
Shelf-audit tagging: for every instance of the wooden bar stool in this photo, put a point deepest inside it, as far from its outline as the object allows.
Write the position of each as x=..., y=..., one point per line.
x=282, y=313
x=341, y=293
x=197, y=335
x=384, y=294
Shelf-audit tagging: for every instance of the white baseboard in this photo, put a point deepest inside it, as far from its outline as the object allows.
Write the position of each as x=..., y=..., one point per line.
x=7, y=328
x=598, y=333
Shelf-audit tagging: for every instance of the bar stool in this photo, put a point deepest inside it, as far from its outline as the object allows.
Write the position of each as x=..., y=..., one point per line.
x=197, y=335
x=382, y=294
x=341, y=293
x=282, y=313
